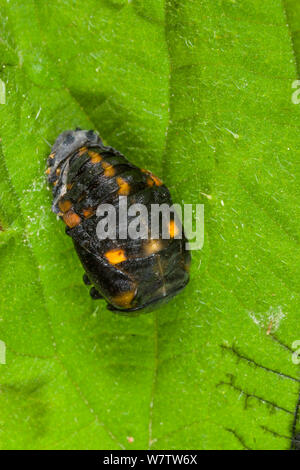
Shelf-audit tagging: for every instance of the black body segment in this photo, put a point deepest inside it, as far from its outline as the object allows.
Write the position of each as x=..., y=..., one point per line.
x=130, y=274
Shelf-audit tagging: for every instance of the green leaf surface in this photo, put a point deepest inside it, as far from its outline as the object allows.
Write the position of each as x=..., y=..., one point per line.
x=199, y=92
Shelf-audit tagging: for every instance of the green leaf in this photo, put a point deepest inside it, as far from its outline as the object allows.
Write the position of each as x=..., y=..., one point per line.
x=199, y=92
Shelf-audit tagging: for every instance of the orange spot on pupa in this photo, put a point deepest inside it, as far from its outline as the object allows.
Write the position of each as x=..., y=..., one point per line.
x=150, y=182
x=55, y=183
x=69, y=186
x=58, y=171
x=65, y=206
x=108, y=169
x=173, y=229
x=124, y=186
x=124, y=300
x=156, y=180
x=71, y=219
x=115, y=256
x=52, y=155
x=152, y=246
x=48, y=171
x=152, y=178
x=88, y=212
x=82, y=150
x=95, y=157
